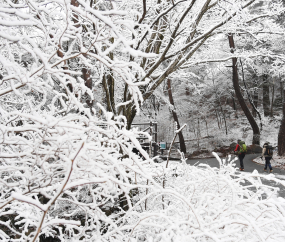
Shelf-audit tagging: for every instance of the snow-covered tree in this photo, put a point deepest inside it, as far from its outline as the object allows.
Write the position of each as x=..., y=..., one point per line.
x=59, y=152
x=67, y=170
x=185, y=33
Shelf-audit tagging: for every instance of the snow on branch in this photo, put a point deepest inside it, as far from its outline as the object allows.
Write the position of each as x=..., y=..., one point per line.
x=69, y=168
x=59, y=41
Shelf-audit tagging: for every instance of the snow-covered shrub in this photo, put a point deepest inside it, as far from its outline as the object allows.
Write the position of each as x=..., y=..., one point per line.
x=74, y=179
x=66, y=165
x=201, y=203
x=67, y=177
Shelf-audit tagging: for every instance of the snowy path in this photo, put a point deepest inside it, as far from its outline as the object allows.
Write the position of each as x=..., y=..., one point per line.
x=249, y=166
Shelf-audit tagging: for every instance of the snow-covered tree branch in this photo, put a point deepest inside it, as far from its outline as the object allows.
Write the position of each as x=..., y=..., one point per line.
x=68, y=69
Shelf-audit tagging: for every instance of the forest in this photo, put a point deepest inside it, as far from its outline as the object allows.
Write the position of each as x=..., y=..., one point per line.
x=78, y=77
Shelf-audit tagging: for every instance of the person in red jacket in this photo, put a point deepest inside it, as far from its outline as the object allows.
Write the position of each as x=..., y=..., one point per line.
x=241, y=155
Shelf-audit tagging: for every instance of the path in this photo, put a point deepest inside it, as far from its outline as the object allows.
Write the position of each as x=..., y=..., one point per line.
x=249, y=166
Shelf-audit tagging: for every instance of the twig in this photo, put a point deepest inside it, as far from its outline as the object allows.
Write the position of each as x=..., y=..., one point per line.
x=176, y=133
x=169, y=151
x=51, y=202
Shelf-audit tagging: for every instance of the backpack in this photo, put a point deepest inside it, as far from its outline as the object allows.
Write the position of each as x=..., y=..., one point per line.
x=242, y=147
x=269, y=150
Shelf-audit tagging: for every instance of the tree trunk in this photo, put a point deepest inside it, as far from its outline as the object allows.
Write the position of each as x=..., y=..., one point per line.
x=206, y=126
x=180, y=135
x=218, y=100
x=234, y=102
x=187, y=91
x=272, y=99
x=198, y=133
x=266, y=101
x=281, y=91
x=255, y=98
x=86, y=73
x=281, y=134
x=254, y=126
x=222, y=114
x=216, y=112
x=250, y=99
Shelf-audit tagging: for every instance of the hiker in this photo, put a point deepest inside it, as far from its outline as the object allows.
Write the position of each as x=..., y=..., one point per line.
x=241, y=149
x=267, y=153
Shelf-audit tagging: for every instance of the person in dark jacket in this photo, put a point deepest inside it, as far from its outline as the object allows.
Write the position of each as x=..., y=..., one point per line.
x=241, y=155
x=267, y=157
